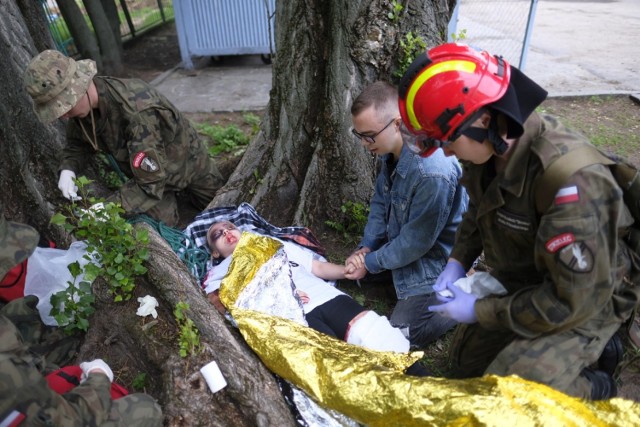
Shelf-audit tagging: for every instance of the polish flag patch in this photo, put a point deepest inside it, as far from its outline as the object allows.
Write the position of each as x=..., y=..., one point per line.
x=14, y=419
x=567, y=195
x=559, y=242
x=137, y=160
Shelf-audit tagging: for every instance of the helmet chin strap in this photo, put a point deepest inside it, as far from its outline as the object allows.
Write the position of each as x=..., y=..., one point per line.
x=492, y=134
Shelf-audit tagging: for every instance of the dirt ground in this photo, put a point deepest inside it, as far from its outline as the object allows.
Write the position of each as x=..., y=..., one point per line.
x=611, y=122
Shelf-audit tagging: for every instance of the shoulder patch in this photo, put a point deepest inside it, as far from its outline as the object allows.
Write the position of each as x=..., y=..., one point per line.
x=577, y=257
x=145, y=162
x=559, y=242
x=567, y=195
x=13, y=419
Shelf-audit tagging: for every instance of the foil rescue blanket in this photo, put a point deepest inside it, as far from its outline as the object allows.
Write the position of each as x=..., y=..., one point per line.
x=369, y=386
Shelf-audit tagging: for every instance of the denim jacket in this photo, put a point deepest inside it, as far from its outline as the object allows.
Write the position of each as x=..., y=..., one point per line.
x=414, y=214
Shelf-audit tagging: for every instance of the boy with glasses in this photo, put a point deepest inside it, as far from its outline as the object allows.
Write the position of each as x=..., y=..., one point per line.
x=414, y=213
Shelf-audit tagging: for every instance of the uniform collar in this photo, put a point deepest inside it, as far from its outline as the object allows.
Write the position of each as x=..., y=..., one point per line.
x=515, y=172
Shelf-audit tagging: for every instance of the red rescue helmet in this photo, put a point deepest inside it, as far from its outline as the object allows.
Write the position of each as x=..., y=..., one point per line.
x=446, y=88
x=446, y=85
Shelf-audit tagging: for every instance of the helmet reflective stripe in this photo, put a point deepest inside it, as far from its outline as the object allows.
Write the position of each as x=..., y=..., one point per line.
x=442, y=67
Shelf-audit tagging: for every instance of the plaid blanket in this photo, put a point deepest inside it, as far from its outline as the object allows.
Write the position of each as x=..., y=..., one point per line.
x=246, y=218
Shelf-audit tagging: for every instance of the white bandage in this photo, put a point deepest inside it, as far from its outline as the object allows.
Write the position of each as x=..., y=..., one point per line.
x=376, y=333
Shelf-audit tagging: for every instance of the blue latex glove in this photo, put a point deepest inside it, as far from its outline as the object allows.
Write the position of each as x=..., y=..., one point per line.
x=452, y=272
x=460, y=308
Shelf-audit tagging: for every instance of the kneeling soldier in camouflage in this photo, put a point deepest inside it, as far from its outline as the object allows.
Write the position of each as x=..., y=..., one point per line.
x=153, y=143
x=25, y=397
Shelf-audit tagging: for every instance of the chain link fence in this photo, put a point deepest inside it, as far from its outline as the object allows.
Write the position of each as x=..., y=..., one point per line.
x=136, y=17
x=502, y=27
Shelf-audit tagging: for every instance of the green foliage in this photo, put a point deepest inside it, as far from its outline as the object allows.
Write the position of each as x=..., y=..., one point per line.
x=258, y=179
x=226, y=139
x=353, y=221
x=253, y=121
x=107, y=175
x=72, y=306
x=139, y=382
x=115, y=251
x=396, y=8
x=189, y=339
x=462, y=34
x=410, y=47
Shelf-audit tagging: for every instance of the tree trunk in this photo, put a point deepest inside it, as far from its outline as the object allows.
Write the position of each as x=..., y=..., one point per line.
x=109, y=48
x=82, y=36
x=111, y=11
x=28, y=171
x=304, y=164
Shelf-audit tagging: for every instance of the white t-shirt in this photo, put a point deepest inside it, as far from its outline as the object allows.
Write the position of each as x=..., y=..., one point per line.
x=300, y=262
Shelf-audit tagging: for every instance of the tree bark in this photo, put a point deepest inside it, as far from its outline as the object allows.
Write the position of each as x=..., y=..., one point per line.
x=109, y=49
x=304, y=164
x=83, y=38
x=28, y=148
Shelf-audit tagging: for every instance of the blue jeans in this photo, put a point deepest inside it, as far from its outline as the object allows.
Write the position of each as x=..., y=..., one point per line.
x=424, y=326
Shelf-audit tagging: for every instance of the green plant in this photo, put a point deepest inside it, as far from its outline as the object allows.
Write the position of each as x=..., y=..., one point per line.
x=353, y=221
x=140, y=381
x=410, y=47
x=396, y=8
x=253, y=121
x=72, y=306
x=110, y=177
x=259, y=180
x=115, y=251
x=189, y=338
x=462, y=34
x=225, y=139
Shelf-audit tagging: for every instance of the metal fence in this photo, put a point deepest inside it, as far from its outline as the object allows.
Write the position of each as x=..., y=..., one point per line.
x=502, y=27
x=136, y=17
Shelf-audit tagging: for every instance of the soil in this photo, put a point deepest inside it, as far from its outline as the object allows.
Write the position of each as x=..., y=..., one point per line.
x=612, y=122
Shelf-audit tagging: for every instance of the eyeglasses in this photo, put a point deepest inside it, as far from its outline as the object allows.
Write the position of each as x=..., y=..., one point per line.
x=214, y=236
x=369, y=139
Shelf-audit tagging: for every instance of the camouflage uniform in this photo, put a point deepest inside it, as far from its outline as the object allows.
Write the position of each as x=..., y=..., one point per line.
x=563, y=270
x=25, y=397
x=152, y=142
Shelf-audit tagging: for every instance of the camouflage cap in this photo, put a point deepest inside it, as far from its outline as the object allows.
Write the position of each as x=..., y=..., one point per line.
x=17, y=242
x=56, y=83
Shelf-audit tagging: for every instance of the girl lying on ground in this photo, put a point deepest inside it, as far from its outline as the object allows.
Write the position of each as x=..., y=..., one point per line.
x=326, y=308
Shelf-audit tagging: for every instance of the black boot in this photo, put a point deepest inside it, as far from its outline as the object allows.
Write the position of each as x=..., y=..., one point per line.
x=603, y=386
x=611, y=355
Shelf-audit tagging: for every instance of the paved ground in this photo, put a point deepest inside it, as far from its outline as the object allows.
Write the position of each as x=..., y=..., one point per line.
x=579, y=47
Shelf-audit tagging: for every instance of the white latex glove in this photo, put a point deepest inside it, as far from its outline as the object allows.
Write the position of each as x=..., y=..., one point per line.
x=97, y=364
x=67, y=186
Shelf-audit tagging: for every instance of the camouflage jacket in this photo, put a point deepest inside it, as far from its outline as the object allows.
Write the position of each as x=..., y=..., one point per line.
x=152, y=142
x=25, y=395
x=560, y=268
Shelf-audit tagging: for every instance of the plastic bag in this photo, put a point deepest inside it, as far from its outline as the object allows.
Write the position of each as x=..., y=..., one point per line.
x=48, y=274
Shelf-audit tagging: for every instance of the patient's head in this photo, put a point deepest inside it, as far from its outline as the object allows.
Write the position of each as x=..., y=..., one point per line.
x=222, y=238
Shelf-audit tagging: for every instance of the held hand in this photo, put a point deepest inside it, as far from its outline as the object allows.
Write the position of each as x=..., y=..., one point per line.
x=97, y=365
x=357, y=255
x=304, y=297
x=452, y=272
x=352, y=272
x=460, y=308
x=66, y=185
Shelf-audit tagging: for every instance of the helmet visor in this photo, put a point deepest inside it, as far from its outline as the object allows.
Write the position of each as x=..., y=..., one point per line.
x=421, y=144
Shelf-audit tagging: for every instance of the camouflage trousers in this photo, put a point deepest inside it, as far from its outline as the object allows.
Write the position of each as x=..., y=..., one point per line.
x=135, y=410
x=556, y=360
x=201, y=191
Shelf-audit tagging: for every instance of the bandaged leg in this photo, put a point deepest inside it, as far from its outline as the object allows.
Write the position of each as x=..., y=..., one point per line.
x=376, y=333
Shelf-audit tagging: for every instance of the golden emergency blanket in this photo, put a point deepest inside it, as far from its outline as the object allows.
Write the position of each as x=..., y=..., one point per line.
x=369, y=386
